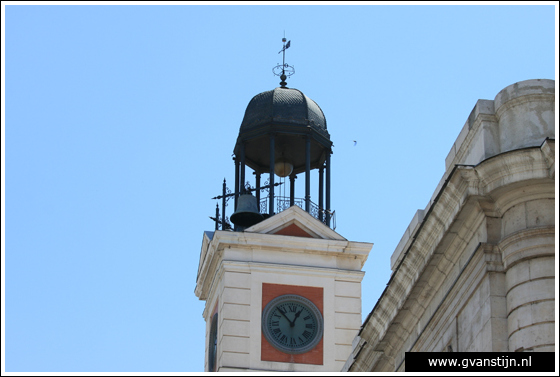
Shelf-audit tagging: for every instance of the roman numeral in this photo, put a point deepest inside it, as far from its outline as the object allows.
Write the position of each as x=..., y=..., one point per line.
x=283, y=339
x=307, y=334
x=308, y=326
x=306, y=318
x=275, y=323
x=276, y=331
x=292, y=342
x=292, y=309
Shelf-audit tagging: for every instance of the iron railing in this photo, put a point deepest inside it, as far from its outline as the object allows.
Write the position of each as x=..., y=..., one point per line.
x=283, y=203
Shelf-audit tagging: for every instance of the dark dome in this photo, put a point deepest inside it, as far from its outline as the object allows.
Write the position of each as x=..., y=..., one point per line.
x=283, y=106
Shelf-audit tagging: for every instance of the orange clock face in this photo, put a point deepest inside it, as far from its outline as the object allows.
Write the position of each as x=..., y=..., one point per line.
x=300, y=349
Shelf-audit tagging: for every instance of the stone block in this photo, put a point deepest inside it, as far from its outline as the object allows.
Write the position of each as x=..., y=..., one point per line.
x=475, y=153
x=236, y=296
x=497, y=283
x=236, y=312
x=348, y=304
x=338, y=365
x=347, y=321
x=237, y=280
x=499, y=336
x=234, y=360
x=514, y=220
x=540, y=213
x=517, y=274
x=543, y=311
x=342, y=352
x=531, y=291
x=542, y=267
x=482, y=342
x=519, y=318
x=345, y=336
x=473, y=317
x=533, y=336
x=235, y=328
x=483, y=109
x=235, y=344
x=348, y=263
x=498, y=307
x=527, y=315
x=347, y=289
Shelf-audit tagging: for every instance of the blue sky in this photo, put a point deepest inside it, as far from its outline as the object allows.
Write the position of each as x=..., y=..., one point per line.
x=119, y=124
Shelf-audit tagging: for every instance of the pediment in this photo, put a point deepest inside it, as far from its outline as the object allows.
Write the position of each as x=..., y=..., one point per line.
x=297, y=223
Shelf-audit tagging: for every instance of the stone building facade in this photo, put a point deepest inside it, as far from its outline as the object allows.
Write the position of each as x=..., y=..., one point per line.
x=475, y=270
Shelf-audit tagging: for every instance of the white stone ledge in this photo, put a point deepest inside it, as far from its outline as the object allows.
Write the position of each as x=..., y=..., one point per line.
x=250, y=267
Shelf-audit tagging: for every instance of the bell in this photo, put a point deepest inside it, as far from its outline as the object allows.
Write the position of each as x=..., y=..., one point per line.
x=247, y=212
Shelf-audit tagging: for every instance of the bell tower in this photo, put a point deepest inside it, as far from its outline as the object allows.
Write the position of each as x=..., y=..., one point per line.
x=282, y=288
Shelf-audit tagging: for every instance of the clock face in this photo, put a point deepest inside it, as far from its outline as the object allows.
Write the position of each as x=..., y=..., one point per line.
x=292, y=324
x=213, y=343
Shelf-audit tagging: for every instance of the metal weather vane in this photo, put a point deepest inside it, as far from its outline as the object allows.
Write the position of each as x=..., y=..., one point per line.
x=284, y=70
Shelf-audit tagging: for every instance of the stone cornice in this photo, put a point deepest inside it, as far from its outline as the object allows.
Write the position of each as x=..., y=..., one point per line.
x=510, y=167
x=523, y=247
x=272, y=243
x=276, y=268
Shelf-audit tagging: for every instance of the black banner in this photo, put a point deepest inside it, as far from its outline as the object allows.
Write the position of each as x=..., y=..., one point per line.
x=480, y=361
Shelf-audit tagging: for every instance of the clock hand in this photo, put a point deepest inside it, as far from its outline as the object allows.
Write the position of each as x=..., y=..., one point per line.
x=297, y=315
x=284, y=314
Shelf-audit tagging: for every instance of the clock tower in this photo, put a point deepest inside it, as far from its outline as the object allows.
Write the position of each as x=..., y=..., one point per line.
x=282, y=288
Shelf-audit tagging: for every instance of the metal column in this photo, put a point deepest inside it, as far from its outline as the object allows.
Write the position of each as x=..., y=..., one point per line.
x=307, y=173
x=271, y=180
x=236, y=161
x=223, y=205
x=242, y=175
x=328, y=189
x=321, y=169
x=258, y=189
x=292, y=188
